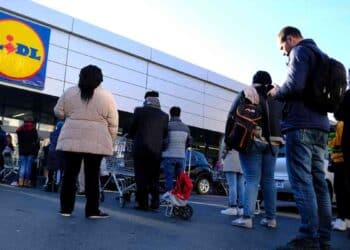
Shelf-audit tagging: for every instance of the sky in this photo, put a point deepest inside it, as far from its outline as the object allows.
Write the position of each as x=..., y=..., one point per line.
x=231, y=37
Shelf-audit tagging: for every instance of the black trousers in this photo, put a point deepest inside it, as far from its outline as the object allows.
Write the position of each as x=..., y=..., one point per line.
x=92, y=173
x=342, y=193
x=147, y=170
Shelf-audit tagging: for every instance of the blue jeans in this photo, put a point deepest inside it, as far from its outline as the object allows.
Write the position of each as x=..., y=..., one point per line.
x=172, y=166
x=235, y=183
x=258, y=168
x=25, y=166
x=305, y=150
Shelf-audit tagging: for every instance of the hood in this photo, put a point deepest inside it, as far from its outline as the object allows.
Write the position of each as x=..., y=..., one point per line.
x=26, y=126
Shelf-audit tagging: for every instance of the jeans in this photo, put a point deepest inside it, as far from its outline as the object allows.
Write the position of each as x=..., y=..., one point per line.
x=235, y=183
x=25, y=166
x=172, y=166
x=305, y=151
x=258, y=168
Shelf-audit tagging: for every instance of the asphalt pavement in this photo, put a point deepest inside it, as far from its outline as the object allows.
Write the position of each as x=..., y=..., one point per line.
x=29, y=219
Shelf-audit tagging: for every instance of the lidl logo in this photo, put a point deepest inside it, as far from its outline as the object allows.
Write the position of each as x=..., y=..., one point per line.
x=23, y=51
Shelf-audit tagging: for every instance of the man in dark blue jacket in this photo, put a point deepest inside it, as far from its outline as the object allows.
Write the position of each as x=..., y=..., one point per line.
x=149, y=129
x=306, y=143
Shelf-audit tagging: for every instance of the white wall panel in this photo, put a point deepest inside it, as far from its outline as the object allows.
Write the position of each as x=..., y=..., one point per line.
x=215, y=113
x=173, y=76
x=53, y=87
x=190, y=107
x=72, y=75
x=191, y=119
x=55, y=70
x=174, y=89
x=59, y=38
x=112, y=55
x=57, y=54
x=123, y=89
x=217, y=103
x=217, y=91
x=214, y=125
x=225, y=81
x=38, y=12
x=176, y=63
x=127, y=104
x=111, y=39
x=111, y=70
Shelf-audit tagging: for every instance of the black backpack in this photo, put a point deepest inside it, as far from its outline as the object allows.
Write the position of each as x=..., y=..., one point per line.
x=243, y=123
x=326, y=84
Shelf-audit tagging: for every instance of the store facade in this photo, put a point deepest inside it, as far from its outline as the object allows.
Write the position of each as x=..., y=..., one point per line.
x=130, y=69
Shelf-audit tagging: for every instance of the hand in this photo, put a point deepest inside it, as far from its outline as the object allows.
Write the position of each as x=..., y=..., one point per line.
x=273, y=91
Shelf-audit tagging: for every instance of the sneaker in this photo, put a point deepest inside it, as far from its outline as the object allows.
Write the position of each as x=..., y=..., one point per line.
x=299, y=244
x=240, y=211
x=347, y=221
x=64, y=214
x=101, y=215
x=270, y=223
x=243, y=222
x=230, y=211
x=339, y=225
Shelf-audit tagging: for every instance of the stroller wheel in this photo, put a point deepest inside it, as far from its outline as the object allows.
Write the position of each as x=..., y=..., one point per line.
x=187, y=212
x=102, y=196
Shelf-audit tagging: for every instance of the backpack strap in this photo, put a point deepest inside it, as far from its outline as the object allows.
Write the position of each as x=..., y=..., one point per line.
x=265, y=107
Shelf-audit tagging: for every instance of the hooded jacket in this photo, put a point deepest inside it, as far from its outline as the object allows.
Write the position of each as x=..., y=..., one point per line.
x=296, y=115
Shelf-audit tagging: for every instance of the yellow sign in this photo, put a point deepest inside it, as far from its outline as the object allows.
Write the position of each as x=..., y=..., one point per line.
x=22, y=52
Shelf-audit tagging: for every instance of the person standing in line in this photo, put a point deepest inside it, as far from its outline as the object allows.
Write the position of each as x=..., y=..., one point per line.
x=343, y=114
x=235, y=181
x=28, y=140
x=149, y=129
x=174, y=155
x=91, y=126
x=259, y=162
x=3, y=144
x=306, y=133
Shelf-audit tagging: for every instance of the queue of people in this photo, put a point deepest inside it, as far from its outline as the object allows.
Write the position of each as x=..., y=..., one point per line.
x=91, y=125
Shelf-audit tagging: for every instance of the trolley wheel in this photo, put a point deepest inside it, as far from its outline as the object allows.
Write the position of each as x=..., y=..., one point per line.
x=176, y=211
x=102, y=196
x=121, y=202
x=187, y=212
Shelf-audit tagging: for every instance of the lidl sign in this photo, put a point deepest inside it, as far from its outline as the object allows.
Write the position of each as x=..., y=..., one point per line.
x=23, y=51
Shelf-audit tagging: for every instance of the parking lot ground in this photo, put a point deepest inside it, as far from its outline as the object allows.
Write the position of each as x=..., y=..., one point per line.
x=29, y=219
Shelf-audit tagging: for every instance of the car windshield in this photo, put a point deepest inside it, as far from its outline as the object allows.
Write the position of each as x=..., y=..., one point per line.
x=197, y=158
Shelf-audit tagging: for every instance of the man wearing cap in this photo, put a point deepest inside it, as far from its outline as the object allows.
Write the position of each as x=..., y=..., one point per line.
x=149, y=129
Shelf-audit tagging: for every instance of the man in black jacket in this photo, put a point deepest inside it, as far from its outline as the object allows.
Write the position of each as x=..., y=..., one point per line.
x=149, y=129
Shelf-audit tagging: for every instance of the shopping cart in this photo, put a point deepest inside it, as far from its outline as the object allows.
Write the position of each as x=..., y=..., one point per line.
x=120, y=167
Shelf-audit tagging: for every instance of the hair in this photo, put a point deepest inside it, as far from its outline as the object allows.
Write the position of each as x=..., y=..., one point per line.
x=289, y=31
x=151, y=94
x=262, y=77
x=90, y=78
x=175, y=111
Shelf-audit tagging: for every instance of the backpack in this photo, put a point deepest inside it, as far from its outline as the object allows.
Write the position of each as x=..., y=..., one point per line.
x=326, y=84
x=244, y=122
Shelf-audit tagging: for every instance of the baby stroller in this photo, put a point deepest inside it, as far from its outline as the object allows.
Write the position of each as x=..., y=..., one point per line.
x=175, y=201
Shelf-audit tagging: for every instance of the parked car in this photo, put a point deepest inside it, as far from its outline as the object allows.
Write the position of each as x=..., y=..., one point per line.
x=200, y=172
x=284, y=190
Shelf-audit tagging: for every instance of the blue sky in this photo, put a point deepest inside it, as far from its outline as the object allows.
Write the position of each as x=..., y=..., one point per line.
x=231, y=37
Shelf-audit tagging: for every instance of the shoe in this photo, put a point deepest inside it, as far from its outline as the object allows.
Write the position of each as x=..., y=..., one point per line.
x=299, y=244
x=230, y=211
x=65, y=214
x=339, y=225
x=347, y=221
x=101, y=215
x=81, y=194
x=240, y=211
x=243, y=222
x=270, y=223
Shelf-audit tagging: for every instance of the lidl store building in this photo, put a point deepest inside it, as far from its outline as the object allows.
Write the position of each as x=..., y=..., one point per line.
x=42, y=52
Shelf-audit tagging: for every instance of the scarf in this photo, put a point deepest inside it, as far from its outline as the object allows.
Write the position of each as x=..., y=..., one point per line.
x=152, y=102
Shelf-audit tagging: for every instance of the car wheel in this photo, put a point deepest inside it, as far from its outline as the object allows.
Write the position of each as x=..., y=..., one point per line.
x=203, y=185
